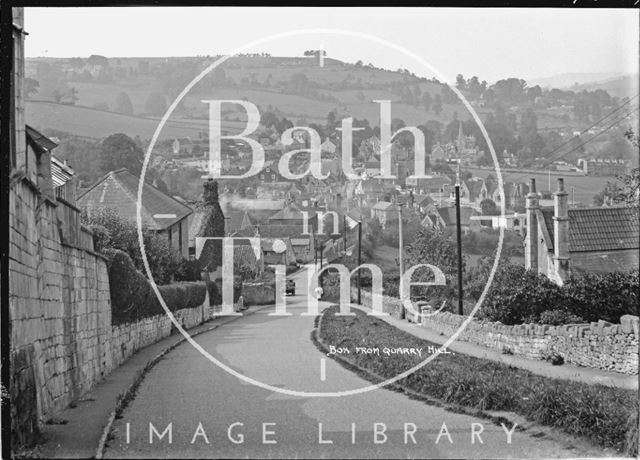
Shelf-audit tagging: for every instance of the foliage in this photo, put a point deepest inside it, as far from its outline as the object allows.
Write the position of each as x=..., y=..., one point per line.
x=606, y=296
x=123, y=104
x=489, y=207
x=558, y=317
x=113, y=232
x=520, y=296
x=188, y=270
x=132, y=297
x=601, y=413
x=120, y=151
x=212, y=226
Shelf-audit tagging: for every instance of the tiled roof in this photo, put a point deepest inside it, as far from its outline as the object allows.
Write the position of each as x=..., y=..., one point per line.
x=39, y=140
x=274, y=231
x=598, y=229
x=384, y=206
x=449, y=215
x=292, y=212
x=119, y=190
x=235, y=220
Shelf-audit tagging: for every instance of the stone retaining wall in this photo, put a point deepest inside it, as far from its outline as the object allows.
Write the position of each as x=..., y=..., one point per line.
x=601, y=345
x=62, y=338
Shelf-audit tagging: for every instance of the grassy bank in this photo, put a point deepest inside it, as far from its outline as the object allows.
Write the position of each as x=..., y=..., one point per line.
x=607, y=416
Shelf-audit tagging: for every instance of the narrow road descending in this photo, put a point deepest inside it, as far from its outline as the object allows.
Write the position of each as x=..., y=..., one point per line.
x=186, y=389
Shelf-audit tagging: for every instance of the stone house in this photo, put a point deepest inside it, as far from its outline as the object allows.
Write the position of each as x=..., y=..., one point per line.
x=445, y=218
x=118, y=190
x=560, y=240
x=385, y=212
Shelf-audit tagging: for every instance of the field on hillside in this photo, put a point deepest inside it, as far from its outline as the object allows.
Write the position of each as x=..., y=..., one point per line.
x=87, y=122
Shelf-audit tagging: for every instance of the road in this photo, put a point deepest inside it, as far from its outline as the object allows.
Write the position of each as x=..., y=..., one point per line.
x=186, y=390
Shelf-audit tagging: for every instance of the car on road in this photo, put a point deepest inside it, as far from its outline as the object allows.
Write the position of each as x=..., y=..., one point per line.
x=290, y=288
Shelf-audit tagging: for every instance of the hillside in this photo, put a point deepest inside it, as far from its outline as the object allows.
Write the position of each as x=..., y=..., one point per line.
x=298, y=88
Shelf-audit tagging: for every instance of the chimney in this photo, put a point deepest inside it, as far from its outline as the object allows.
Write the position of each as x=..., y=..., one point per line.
x=531, y=242
x=561, y=233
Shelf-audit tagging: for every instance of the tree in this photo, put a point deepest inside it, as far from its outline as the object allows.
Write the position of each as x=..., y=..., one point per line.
x=156, y=104
x=461, y=84
x=96, y=59
x=123, y=104
x=120, y=151
x=212, y=226
x=427, y=101
x=437, y=104
x=489, y=207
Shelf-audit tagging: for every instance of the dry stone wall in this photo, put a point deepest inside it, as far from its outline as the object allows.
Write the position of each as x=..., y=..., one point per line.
x=601, y=345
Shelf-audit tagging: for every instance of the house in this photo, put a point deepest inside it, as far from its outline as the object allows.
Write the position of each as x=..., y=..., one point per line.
x=328, y=147
x=560, y=240
x=295, y=215
x=236, y=221
x=297, y=246
x=603, y=167
x=423, y=204
x=385, y=212
x=270, y=174
x=429, y=185
x=162, y=213
x=445, y=218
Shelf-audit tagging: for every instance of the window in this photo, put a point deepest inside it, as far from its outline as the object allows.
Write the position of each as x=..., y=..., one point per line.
x=180, y=237
x=169, y=235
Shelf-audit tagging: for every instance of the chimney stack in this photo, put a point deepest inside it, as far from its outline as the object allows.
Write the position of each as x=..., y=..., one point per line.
x=531, y=242
x=561, y=232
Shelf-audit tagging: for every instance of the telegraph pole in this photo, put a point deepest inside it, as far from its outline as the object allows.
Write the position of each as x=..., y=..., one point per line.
x=359, y=258
x=459, y=238
x=400, y=259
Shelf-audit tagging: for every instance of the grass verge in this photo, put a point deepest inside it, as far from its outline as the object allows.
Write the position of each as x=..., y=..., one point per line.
x=607, y=416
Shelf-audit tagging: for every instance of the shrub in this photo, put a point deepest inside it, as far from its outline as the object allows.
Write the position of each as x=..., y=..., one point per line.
x=558, y=317
x=113, y=232
x=520, y=295
x=606, y=296
x=133, y=298
x=189, y=270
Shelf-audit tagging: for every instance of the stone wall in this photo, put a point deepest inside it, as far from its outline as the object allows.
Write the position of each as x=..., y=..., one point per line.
x=62, y=338
x=391, y=305
x=258, y=294
x=601, y=345
x=128, y=338
x=60, y=312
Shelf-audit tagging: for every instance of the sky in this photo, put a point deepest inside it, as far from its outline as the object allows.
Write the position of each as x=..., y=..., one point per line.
x=492, y=43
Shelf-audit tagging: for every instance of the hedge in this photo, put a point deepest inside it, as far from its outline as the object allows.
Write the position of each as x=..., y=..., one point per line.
x=133, y=298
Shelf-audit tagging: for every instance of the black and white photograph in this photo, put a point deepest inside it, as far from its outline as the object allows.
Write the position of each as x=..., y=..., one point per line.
x=320, y=232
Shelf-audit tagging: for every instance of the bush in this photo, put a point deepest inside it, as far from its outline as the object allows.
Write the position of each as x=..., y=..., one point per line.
x=133, y=298
x=519, y=296
x=189, y=270
x=559, y=317
x=113, y=232
x=215, y=291
x=606, y=296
